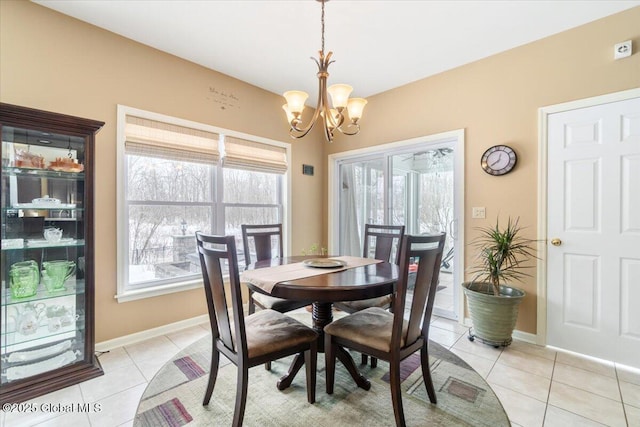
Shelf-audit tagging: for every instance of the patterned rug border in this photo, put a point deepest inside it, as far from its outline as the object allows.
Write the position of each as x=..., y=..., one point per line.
x=174, y=396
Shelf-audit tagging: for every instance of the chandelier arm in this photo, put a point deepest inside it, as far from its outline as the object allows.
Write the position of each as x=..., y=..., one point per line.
x=297, y=132
x=346, y=132
x=328, y=134
x=328, y=117
x=306, y=129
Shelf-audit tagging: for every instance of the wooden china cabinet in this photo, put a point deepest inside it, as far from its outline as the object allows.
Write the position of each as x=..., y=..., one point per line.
x=47, y=290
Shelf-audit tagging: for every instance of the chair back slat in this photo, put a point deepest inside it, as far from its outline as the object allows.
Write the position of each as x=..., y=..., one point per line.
x=213, y=252
x=384, y=239
x=261, y=238
x=426, y=252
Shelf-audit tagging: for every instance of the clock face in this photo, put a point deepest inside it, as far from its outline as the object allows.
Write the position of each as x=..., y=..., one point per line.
x=498, y=160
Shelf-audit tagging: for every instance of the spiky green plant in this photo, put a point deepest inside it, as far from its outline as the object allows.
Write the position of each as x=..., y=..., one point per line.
x=501, y=254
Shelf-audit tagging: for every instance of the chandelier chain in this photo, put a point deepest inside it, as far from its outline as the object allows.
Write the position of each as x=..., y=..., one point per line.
x=322, y=20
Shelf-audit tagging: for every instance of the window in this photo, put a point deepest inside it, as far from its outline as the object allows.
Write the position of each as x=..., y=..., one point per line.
x=176, y=178
x=416, y=183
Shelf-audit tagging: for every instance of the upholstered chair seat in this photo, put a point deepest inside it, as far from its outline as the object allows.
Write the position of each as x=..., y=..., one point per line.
x=277, y=304
x=271, y=332
x=353, y=306
x=376, y=335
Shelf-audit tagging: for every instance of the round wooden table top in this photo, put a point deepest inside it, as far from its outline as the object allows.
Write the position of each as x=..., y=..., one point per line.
x=352, y=284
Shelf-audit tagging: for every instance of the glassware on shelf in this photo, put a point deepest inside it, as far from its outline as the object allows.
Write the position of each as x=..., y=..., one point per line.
x=24, y=279
x=52, y=234
x=25, y=159
x=55, y=273
x=27, y=318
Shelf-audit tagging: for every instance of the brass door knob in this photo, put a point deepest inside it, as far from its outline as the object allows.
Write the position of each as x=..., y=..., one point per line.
x=556, y=242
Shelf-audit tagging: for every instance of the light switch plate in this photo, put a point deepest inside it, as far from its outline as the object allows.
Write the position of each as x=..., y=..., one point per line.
x=478, y=212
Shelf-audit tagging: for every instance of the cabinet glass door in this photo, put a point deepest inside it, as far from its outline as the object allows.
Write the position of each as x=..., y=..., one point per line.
x=42, y=325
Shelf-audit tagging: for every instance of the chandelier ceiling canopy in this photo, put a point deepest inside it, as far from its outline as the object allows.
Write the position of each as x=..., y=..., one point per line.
x=333, y=116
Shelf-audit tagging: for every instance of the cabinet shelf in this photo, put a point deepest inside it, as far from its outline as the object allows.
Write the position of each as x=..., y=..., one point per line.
x=46, y=340
x=64, y=349
x=43, y=173
x=12, y=210
x=29, y=244
x=34, y=207
x=15, y=341
x=42, y=294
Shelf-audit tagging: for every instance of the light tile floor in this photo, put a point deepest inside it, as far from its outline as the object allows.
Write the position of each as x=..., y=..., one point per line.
x=537, y=386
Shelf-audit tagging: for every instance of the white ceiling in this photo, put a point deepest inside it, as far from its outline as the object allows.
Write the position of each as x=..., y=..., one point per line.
x=377, y=45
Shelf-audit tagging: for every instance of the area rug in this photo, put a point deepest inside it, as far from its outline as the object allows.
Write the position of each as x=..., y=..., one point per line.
x=174, y=396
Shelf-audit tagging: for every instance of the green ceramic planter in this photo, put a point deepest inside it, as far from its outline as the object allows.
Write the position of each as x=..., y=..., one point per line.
x=493, y=317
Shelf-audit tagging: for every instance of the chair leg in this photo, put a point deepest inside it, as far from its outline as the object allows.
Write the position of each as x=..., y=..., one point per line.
x=267, y=366
x=241, y=395
x=213, y=374
x=329, y=362
x=365, y=359
x=426, y=374
x=310, y=361
x=396, y=392
x=374, y=361
x=252, y=304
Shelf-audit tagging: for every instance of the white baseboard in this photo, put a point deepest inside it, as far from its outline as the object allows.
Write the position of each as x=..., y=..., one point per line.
x=525, y=336
x=150, y=333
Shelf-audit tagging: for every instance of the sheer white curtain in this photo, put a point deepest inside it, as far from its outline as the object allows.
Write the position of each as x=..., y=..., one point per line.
x=350, y=241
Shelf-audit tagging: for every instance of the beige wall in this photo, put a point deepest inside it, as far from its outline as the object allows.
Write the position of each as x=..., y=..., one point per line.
x=496, y=101
x=53, y=62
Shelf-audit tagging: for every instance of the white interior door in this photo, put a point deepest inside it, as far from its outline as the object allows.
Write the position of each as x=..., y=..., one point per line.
x=593, y=218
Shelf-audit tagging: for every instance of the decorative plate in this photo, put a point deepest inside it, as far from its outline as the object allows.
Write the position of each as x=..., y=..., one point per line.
x=324, y=263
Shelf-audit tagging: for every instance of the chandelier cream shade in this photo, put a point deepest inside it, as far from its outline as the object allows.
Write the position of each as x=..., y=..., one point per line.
x=343, y=114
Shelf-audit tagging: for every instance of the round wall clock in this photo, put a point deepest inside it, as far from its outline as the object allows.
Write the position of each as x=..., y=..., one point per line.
x=498, y=160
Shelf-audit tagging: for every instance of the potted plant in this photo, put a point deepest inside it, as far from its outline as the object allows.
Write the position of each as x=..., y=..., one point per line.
x=502, y=254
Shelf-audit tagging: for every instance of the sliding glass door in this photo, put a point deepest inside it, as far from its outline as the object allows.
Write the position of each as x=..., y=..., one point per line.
x=414, y=186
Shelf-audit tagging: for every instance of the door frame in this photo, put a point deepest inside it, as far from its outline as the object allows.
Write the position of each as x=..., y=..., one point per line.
x=455, y=136
x=541, y=269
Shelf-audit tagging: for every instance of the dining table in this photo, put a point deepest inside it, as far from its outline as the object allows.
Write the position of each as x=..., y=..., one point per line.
x=322, y=280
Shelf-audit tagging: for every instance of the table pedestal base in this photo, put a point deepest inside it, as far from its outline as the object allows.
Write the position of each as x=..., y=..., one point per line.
x=322, y=315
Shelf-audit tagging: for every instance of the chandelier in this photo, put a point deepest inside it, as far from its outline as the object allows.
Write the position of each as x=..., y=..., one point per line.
x=334, y=116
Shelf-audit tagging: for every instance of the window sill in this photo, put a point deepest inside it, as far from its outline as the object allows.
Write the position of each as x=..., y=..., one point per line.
x=132, y=295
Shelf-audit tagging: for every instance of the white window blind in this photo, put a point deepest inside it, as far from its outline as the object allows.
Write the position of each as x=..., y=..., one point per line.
x=147, y=137
x=255, y=156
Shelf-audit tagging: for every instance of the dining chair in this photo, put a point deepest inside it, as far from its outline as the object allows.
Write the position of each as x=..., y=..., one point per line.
x=246, y=341
x=380, y=241
x=388, y=335
x=260, y=238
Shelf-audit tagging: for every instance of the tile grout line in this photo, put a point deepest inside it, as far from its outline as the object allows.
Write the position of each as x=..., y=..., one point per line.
x=553, y=370
x=594, y=394
x=121, y=391
x=624, y=409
